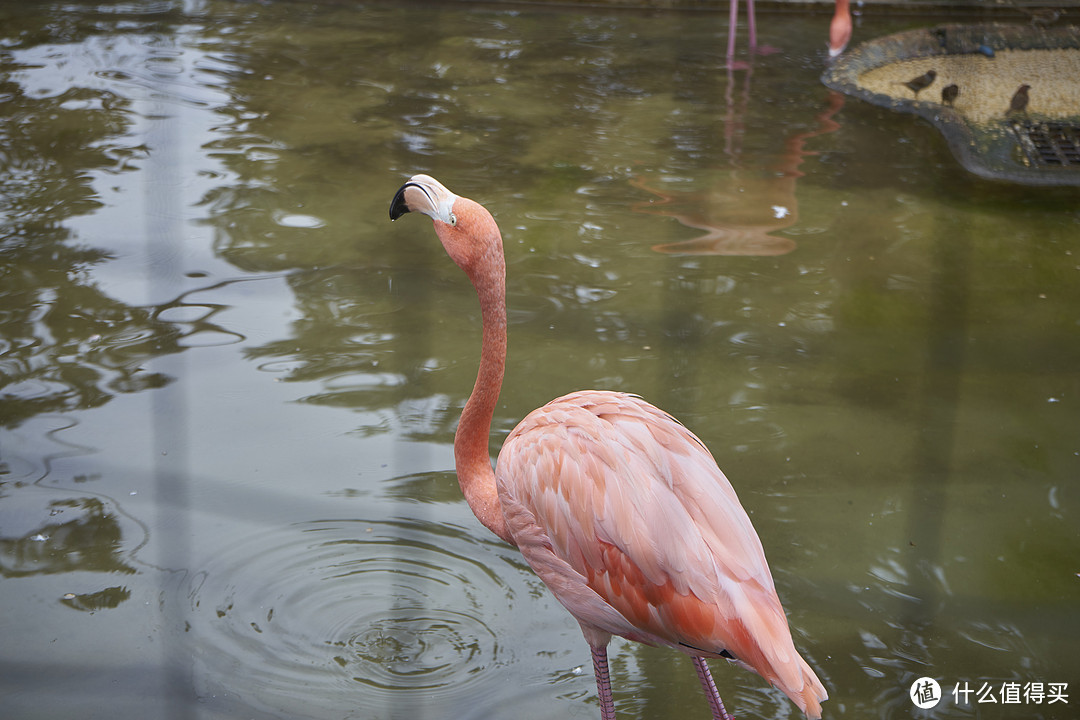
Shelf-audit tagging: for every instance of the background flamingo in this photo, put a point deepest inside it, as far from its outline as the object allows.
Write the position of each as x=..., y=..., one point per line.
x=620, y=510
x=839, y=28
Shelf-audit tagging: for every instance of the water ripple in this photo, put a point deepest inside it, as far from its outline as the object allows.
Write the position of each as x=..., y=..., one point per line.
x=404, y=609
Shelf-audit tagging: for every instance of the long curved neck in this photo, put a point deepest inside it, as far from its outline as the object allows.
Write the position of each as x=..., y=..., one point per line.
x=471, y=455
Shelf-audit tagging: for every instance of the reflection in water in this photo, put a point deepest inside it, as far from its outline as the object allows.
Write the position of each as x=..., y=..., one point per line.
x=945, y=360
x=110, y=597
x=64, y=344
x=910, y=585
x=84, y=95
x=741, y=211
x=67, y=535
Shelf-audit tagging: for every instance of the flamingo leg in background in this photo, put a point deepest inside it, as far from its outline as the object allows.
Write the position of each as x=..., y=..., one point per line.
x=751, y=25
x=733, y=25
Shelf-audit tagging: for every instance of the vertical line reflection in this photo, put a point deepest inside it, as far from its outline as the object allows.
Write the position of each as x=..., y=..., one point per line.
x=163, y=221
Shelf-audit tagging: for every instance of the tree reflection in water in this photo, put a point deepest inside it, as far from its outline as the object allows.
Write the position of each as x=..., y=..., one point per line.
x=65, y=344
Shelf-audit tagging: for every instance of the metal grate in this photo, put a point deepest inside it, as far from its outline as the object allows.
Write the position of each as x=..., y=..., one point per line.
x=1049, y=144
x=1013, y=146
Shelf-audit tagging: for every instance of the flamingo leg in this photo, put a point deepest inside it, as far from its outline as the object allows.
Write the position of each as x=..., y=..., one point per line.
x=751, y=25
x=733, y=21
x=603, y=682
x=719, y=712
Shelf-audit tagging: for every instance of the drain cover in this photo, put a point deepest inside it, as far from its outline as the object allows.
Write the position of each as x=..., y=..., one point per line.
x=1049, y=144
x=967, y=79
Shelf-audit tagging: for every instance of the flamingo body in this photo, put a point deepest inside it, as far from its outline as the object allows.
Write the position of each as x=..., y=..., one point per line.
x=618, y=508
x=625, y=516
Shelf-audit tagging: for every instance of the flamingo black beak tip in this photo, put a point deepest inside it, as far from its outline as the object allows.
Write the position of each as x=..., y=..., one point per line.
x=398, y=206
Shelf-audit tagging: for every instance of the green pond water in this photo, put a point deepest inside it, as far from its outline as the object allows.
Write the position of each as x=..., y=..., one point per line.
x=229, y=385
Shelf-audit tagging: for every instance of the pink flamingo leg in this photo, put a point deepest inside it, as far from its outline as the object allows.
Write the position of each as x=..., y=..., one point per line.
x=733, y=22
x=751, y=24
x=603, y=682
x=719, y=712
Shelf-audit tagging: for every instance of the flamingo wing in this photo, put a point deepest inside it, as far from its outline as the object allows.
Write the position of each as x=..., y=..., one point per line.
x=626, y=517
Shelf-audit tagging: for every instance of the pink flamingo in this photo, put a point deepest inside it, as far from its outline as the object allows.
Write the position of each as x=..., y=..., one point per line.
x=839, y=28
x=620, y=510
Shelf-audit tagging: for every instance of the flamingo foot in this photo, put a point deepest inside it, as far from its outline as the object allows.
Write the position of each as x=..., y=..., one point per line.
x=719, y=712
x=603, y=682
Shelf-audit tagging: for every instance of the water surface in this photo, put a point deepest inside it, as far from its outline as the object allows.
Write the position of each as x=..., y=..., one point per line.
x=229, y=384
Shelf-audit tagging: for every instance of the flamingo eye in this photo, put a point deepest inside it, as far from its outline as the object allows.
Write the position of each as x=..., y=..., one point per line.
x=453, y=220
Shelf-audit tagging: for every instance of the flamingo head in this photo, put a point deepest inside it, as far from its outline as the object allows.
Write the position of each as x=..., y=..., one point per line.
x=465, y=228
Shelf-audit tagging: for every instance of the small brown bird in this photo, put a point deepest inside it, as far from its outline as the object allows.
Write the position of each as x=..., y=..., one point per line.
x=949, y=93
x=1019, y=101
x=921, y=82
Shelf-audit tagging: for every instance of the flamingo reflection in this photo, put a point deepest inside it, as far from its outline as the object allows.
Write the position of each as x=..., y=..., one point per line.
x=741, y=212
